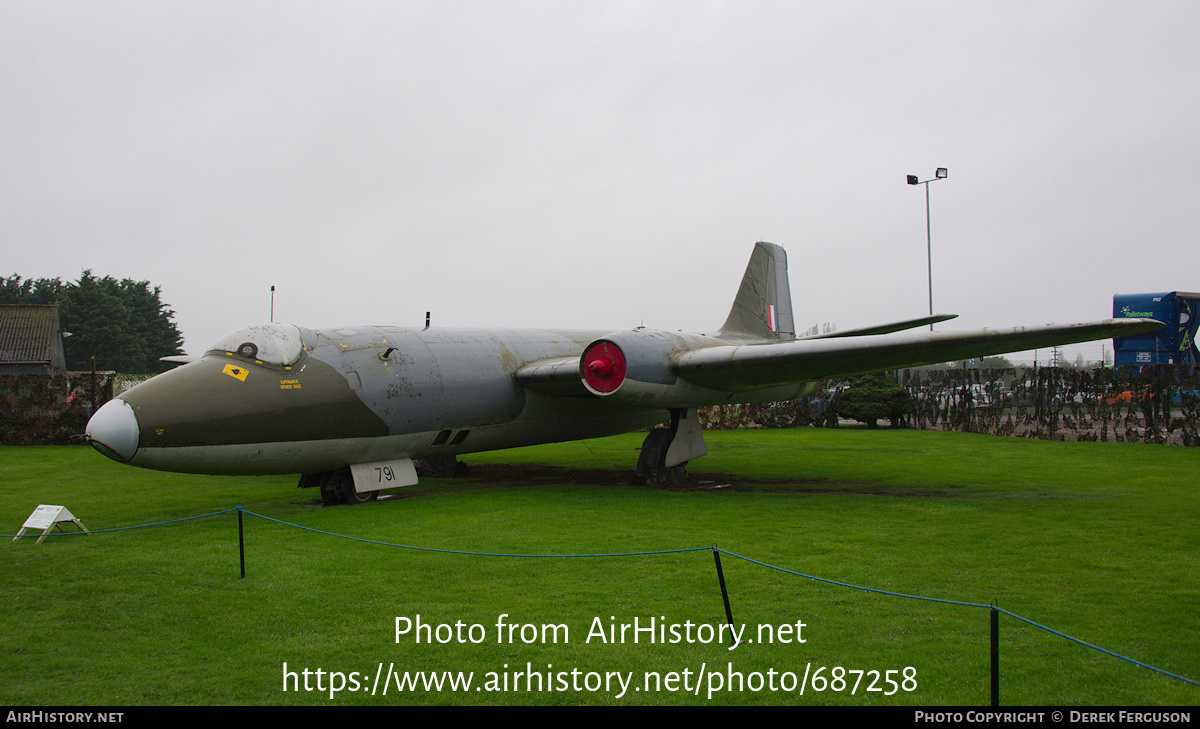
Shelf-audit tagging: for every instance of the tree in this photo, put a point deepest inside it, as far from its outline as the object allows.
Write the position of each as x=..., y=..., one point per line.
x=41, y=291
x=123, y=324
x=874, y=396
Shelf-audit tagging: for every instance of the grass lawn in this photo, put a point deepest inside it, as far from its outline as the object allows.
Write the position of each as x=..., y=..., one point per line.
x=1096, y=540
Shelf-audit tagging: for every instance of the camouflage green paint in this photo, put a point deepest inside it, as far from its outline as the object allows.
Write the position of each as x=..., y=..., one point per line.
x=208, y=403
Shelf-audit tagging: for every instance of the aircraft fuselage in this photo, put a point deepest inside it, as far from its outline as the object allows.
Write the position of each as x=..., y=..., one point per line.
x=364, y=394
x=344, y=405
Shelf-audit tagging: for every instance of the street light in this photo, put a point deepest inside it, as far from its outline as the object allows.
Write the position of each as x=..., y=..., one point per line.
x=939, y=174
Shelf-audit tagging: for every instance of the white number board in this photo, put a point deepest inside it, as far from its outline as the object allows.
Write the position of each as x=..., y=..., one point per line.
x=383, y=475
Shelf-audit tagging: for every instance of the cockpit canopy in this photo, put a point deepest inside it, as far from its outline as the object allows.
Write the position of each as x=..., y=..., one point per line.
x=277, y=344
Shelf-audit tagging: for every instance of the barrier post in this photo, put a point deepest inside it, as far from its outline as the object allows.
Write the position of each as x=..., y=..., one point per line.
x=995, y=655
x=241, y=543
x=724, y=595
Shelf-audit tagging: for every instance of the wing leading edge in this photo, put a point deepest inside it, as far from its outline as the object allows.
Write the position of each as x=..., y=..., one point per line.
x=753, y=366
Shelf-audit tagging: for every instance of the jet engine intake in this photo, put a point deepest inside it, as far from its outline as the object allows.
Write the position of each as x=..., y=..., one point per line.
x=638, y=367
x=603, y=366
x=634, y=368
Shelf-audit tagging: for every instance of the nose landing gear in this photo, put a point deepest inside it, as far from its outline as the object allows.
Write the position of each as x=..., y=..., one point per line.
x=337, y=487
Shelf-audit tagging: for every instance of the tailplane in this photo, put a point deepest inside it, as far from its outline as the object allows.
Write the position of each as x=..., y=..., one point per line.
x=763, y=306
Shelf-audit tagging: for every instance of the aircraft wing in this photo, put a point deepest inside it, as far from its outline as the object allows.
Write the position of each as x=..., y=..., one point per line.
x=753, y=366
x=884, y=328
x=179, y=359
x=560, y=376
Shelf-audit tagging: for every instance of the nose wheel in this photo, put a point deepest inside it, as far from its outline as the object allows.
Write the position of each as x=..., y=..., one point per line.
x=337, y=487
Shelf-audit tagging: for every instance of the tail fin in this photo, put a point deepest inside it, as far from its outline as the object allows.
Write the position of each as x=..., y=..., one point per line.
x=763, y=306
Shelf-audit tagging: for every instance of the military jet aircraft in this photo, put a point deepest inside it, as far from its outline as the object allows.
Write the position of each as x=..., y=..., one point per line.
x=351, y=408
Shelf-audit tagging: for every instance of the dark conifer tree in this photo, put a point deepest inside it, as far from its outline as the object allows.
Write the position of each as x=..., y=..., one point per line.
x=123, y=324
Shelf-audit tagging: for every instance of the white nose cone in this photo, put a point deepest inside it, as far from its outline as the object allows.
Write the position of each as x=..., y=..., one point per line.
x=113, y=430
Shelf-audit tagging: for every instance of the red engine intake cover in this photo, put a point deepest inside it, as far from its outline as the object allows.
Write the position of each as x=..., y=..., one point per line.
x=604, y=367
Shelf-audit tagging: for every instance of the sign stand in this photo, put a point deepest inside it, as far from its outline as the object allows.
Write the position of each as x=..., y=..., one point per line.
x=46, y=517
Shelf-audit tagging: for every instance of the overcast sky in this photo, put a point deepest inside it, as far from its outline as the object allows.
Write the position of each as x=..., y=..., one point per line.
x=602, y=164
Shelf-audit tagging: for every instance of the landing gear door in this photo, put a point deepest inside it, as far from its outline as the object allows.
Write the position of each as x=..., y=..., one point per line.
x=687, y=438
x=383, y=475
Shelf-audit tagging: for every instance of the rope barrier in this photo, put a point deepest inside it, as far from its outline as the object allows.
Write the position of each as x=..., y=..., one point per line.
x=122, y=529
x=713, y=548
x=478, y=554
x=965, y=604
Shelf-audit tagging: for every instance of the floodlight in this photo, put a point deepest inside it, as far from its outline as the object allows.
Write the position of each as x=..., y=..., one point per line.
x=940, y=174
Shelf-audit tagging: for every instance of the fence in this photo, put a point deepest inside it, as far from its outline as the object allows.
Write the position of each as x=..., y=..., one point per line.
x=1156, y=404
x=41, y=410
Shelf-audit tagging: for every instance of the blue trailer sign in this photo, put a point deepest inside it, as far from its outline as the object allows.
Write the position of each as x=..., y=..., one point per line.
x=1173, y=344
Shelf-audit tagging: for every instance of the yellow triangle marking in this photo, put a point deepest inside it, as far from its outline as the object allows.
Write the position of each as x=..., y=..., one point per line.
x=238, y=373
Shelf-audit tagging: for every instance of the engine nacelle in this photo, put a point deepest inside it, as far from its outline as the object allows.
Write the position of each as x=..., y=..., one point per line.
x=634, y=367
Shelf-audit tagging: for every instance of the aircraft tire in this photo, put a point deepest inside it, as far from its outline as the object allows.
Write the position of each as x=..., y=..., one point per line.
x=345, y=485
x=337, y=487
x=350, y=496
x=651, y=461
x=674, y=475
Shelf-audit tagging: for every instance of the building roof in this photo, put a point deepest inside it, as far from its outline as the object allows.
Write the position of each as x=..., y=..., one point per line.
x=27, y=333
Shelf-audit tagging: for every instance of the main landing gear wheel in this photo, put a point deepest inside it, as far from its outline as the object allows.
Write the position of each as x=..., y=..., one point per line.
x=651, y=465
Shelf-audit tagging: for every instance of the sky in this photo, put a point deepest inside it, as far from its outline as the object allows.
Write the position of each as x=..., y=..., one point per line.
x=602, y=165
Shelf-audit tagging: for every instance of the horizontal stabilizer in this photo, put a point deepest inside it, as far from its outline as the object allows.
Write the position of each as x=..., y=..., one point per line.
x=753, y=366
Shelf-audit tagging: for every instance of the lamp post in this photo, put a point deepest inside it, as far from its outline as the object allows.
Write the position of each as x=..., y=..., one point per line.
x=940, y=174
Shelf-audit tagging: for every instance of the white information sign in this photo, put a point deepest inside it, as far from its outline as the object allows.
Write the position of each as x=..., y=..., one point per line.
x=45, y=517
